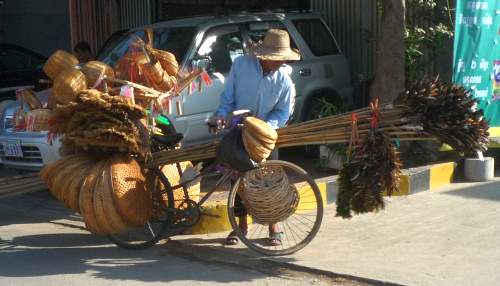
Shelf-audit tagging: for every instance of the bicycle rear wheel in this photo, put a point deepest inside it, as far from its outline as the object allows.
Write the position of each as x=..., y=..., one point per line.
x=149, y=234
x=298, y=229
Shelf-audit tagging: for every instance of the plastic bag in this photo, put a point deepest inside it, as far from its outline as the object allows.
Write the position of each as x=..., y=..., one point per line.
x=231, y=152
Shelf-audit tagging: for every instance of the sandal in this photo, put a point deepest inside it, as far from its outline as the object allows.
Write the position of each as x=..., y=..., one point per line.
x=232, y=238
x=275, y=239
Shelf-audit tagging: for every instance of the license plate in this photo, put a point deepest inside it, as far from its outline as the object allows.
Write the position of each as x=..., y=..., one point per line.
x=12, y=149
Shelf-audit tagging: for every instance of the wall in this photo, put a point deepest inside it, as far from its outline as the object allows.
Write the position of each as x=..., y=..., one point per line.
x=42, y=26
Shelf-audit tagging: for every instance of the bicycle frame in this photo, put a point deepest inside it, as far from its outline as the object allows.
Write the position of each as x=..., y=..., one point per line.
x=226, y=176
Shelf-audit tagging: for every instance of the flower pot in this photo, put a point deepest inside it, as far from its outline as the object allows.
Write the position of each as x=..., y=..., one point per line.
x=479, y=170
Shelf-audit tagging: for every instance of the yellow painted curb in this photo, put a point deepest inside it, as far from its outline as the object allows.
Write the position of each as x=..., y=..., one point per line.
x=404, y=186
x=218, y=220
x=441, y=175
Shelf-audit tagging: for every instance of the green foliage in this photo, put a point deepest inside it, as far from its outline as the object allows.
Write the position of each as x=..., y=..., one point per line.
x=332, y=107
x=420, y=39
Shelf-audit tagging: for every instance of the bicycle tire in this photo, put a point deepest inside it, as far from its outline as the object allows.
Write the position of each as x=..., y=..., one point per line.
x=157, y=235
x=258, y=247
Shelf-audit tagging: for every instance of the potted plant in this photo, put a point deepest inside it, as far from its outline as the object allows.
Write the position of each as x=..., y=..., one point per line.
x=331, y=156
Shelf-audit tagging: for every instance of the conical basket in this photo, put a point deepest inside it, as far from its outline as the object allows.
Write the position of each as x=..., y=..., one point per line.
x=58, y=62
x=167, y=61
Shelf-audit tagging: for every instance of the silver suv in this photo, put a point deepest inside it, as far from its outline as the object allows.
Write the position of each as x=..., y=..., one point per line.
x=323, y=71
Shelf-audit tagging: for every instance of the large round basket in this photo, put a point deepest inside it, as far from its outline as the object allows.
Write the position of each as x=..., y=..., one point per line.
x=58, y=62
x=267, y=194
x=94, y=72
x=130, y=195
x=38, y=120
x=68, y=84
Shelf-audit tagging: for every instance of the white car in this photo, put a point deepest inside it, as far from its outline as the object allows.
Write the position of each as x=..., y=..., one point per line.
x=214, y=42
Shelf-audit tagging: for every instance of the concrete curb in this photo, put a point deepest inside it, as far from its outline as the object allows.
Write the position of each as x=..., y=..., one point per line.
x=413, y=180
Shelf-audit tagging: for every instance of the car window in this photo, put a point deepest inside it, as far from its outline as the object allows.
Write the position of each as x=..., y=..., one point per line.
x=223, y=45
x=14, y=60
x=317, y=37
x=175, y=40
x=257, y=30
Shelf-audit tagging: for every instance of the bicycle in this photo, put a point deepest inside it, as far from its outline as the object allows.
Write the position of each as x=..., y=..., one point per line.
x=296, y=231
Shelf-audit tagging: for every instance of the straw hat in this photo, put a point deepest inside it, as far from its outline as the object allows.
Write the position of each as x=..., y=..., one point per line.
x=275, y=47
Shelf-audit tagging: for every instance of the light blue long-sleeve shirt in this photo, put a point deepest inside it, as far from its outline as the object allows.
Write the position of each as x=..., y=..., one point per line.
x=270, y=97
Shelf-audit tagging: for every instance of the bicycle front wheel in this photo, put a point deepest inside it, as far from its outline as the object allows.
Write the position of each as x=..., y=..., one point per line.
x=155, y=228
x=292, y=233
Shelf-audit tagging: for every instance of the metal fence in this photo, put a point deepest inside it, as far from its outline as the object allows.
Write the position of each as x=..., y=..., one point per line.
x=354, y=24
x=135, y=13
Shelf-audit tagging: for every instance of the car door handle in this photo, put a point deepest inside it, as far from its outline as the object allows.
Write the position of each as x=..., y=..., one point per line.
x=305, y=72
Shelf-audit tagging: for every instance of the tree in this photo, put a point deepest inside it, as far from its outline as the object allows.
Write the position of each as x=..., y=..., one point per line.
x=390, y=70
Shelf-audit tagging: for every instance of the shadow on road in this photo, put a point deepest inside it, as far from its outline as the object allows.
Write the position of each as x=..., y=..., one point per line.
x=81, y=253
x=485, y=191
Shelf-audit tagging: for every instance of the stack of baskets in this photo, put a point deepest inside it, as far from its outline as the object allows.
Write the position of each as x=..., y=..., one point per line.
x=151, y=67
x=110, y=194
x=259, y=138
x=37, y=118
x=268, y=196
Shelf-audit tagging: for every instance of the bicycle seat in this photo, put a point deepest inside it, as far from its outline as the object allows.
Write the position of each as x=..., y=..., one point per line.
x=169, y=140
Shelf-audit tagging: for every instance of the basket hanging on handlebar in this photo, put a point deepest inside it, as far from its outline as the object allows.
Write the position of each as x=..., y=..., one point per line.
x=268, y=196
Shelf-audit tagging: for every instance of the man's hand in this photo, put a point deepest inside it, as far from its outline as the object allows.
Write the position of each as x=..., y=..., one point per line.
x=215, y=124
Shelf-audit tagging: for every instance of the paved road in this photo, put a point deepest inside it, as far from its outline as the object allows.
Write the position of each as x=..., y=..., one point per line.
x=41, y=243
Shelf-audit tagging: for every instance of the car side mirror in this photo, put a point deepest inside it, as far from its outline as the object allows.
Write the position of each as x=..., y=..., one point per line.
x=201, y=62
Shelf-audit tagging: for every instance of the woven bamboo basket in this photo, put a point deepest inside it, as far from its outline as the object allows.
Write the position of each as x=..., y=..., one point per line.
x=94, y=70
x=128, y=67
x=31, y=99
x=58, y=62
x=38, y=120
x=259, y=138
x=171, y=172
x=112, y=213
x=130, y=195
x=167, y=60
x=268, y=196
x=67, y=85
x=255, y=149
x=158, y=78
x=86, y=199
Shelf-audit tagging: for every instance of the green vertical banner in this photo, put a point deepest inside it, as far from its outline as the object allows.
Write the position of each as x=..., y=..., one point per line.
x=476, y=62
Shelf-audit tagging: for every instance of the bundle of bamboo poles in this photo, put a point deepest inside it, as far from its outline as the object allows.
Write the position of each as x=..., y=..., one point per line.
x=327, y=130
